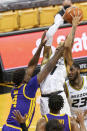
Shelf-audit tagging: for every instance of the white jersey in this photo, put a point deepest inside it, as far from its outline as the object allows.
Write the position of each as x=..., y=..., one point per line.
x=77, y=98
x=54, y=81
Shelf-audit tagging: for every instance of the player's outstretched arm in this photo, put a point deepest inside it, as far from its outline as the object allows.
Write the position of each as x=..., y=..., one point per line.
x=58, y=21
x=70, y=38
x=34, y=61
x=49, y=34
x=52, y=30
x=69, y=42
x=50, y=65
x=46, y=55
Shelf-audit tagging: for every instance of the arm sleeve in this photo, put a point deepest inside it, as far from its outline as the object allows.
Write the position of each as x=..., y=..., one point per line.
x=52, y=30
x=31, y=87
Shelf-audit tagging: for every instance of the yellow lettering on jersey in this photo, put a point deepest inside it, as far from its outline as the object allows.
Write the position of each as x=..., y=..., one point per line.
x=15, y=92
x=61, y=121
x=14, y=101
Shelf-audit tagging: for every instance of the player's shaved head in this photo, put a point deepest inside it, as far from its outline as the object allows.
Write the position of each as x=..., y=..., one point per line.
x=67, y=3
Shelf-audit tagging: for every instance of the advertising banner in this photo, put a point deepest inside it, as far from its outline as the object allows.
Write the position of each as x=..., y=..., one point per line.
x=17, y=50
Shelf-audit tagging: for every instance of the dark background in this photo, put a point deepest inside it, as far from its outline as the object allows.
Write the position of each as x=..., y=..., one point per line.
x=26, y=4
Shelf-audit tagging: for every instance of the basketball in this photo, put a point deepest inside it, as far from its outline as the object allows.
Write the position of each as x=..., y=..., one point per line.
x=71, y=12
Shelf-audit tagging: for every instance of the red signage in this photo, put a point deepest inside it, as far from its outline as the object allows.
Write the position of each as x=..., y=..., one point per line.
x=17, y=50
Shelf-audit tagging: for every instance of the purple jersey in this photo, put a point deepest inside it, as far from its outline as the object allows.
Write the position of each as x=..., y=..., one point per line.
x=23, y=99
x=63, y=119
x=8, y=127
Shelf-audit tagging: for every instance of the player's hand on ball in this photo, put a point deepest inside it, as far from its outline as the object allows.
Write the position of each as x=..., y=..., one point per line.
x=71, y=13
x=76, y=18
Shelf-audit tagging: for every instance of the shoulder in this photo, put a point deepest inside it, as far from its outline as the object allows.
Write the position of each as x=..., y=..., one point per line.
x=66, y=116
x=31, y=87
x=33, y=80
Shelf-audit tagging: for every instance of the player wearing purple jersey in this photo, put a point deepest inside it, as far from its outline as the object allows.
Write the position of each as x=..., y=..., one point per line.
x=56, y=103
x=23, y=95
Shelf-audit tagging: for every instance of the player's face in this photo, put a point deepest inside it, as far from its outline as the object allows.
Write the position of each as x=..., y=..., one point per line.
x=67, y=2
x=73, y=73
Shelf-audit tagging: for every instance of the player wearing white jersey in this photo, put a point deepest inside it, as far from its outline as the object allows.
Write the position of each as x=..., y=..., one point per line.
x=54, y=81
x=76, y=91
x=77, y=97
x=53, y=84
x=75, y=87
x=58, y=20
